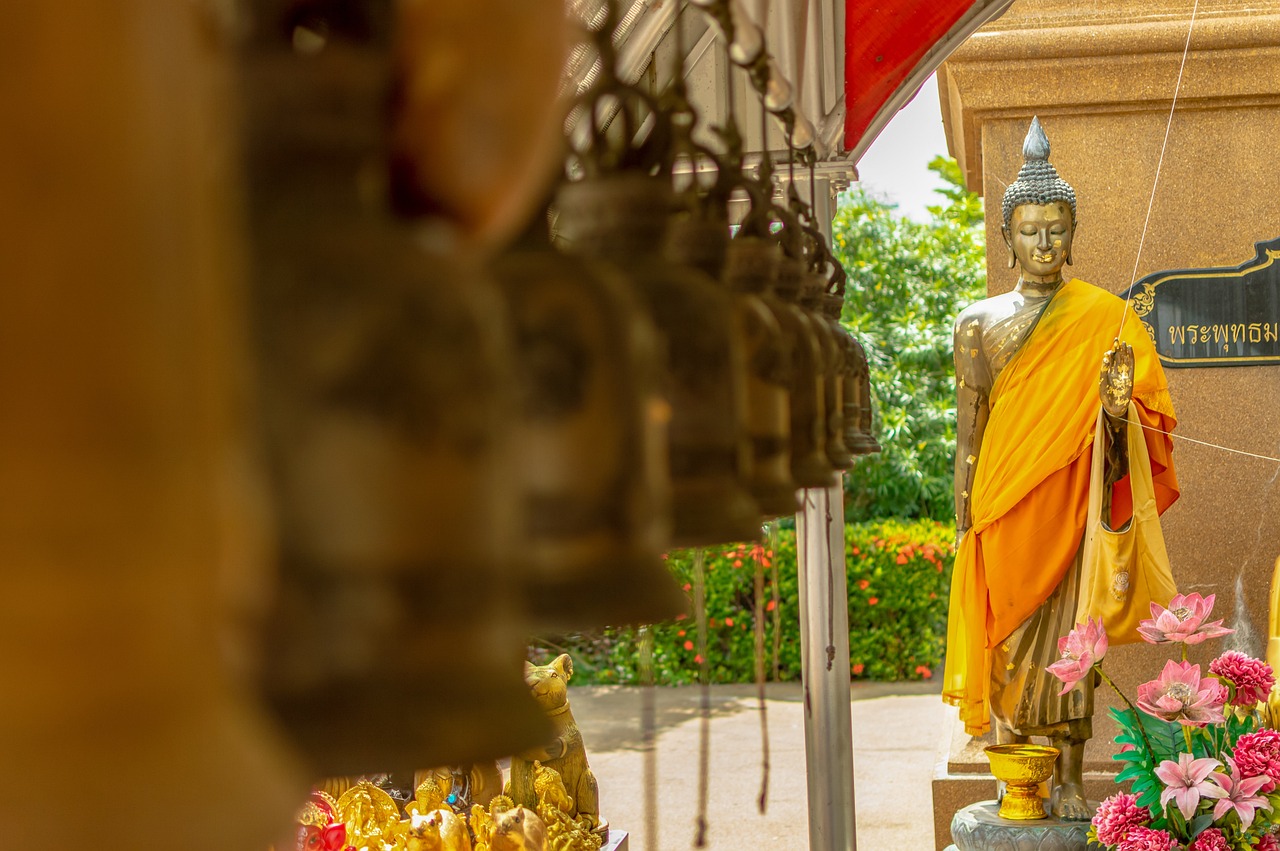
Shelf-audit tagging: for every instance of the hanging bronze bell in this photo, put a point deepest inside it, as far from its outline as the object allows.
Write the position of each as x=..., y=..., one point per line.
x=750, y=270
x=826, y=311
x=396, y=640
x=745, y=266
x=591, y=424
x=857, y=400
x=622, y=219
x=810, y=466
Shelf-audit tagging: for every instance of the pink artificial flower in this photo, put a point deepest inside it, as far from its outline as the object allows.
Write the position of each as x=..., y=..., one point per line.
x=1081, y=649
x=1183, y=622
x=1252, y=678
x=1210, y=839
x=1180, y=694
x=1240, y=795
x=1187, y=781
x=1146, y=839
x=1258, y=755
x=1267, y=842
x=1117, y=815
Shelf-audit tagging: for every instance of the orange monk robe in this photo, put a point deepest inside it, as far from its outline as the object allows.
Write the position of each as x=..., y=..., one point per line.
x=1031, y=486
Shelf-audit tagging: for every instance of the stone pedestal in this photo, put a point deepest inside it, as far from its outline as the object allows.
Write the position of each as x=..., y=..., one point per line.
x=979, y=828
x=1102, y=77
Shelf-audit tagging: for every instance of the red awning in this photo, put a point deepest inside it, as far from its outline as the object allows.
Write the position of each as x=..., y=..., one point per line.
x=891, y=48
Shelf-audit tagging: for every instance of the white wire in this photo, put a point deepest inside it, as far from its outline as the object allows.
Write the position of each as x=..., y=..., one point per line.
x=1203, y=442
x=1186, y=48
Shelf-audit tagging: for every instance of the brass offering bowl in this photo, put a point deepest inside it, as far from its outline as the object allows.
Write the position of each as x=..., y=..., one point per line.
x=1022, y=768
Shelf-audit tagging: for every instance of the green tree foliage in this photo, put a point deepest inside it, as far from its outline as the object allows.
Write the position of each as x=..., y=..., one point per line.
x=907, y=283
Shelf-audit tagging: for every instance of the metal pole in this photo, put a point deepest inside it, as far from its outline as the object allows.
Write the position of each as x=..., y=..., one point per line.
x=824, y=656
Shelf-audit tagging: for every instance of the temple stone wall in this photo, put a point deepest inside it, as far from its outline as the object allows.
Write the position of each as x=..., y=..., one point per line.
x=1102, y=81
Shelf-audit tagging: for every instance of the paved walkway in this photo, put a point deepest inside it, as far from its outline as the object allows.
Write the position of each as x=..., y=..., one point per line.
x=896, y=730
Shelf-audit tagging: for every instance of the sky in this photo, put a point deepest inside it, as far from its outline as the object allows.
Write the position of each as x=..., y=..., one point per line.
x=896, y=165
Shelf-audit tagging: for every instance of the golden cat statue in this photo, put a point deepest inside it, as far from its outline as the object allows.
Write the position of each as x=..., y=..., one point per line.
x=565, y=753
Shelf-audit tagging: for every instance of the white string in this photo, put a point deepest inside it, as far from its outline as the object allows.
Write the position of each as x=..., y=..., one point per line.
x=1203, y=442
x=1186, y=48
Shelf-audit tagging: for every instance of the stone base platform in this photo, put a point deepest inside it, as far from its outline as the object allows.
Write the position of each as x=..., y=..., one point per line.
x=979, y=827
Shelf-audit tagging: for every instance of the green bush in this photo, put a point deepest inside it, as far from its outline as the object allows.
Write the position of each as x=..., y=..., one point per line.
x=898, y=574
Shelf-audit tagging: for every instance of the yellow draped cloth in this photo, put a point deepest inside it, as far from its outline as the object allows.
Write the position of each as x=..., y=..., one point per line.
x=1031, y=487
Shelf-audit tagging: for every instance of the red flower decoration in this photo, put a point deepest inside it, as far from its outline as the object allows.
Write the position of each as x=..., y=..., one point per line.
x=1252, y=678
x=1117, y=815
x=1258, y=755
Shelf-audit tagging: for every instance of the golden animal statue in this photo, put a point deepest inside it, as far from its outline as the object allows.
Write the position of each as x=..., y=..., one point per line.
x=1021, y=489
x=565, y=753
x=506, y=827
x=439, y=830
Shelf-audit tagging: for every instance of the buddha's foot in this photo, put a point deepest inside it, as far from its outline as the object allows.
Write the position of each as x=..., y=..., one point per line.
x=1069, y=804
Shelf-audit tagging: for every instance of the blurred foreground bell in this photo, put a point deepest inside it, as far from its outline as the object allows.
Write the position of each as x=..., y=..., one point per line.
x=131, y=540
x=395, y=641
x=590, y=424
x=750, y=270
x=621, y=219
x=809, y=463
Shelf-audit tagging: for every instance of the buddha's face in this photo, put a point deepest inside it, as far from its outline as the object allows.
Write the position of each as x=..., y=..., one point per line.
x=1039, y=236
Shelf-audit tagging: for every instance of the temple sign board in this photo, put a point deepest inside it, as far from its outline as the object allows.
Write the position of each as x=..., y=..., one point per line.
x=1214, y=317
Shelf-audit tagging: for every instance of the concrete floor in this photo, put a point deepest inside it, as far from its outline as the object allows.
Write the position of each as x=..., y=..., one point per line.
x=895, y=738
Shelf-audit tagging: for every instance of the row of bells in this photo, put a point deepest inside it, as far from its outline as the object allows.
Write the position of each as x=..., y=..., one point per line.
x=463, y=453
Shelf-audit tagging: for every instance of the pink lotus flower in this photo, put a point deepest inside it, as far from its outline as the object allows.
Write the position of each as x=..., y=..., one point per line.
x=1211, y=839
x=1146, y=839
x=1183, y=622
x=1239, y=795
x=1258, y=755
x=1252, y=678
x=1081, y=649
x=1116, y=816
x=1187, y=781
x=1180, y=694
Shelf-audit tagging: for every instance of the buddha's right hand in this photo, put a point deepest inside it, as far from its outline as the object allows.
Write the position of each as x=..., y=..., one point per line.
x=1115, y=381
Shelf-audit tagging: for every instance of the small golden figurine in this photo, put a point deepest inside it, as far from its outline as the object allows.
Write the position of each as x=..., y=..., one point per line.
x=564, y=832
x=506, y=827
x=369, y=813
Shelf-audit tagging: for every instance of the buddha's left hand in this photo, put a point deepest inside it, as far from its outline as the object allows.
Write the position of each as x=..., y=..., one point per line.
x=1115, y=382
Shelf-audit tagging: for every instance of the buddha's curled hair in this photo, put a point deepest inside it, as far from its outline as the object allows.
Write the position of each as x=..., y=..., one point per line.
x=1038, y=181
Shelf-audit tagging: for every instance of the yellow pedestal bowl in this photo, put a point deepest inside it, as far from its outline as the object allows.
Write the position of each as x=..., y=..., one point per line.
x=1022, y=768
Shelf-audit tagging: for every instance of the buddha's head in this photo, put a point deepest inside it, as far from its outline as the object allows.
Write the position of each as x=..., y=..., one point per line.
x=1039, y=213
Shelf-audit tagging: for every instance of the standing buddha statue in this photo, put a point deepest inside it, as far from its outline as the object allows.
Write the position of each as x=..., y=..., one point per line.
x=1028, y=394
